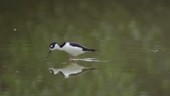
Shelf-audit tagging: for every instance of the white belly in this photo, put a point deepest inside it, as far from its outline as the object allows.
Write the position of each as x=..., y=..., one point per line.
x=74, y=51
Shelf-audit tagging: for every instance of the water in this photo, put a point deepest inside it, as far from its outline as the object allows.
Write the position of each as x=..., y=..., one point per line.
x=132, y=36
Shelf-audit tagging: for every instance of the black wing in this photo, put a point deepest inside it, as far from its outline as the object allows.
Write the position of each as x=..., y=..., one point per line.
x=81, y=46
x=76, y=45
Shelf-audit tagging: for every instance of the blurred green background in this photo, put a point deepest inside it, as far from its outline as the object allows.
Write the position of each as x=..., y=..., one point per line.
x=132, y=35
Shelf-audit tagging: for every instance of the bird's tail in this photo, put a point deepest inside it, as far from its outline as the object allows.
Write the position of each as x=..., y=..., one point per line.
x=93, y=50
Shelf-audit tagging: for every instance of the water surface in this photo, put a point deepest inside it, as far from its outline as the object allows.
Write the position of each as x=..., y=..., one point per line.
x=132, y=36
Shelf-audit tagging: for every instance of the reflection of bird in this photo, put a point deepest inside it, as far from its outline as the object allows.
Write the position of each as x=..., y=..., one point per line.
x=72, y=48
x=72, y=69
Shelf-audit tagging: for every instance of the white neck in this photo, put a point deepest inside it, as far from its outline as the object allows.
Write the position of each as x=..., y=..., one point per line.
x=57, y=47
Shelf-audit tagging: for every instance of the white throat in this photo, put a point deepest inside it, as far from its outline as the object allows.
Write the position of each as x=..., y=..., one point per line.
x=57, y=47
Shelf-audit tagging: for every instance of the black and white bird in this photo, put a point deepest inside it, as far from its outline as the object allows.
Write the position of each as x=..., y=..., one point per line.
x=72, y=48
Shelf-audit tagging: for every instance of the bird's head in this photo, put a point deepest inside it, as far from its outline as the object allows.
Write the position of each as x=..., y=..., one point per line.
x=52, y=47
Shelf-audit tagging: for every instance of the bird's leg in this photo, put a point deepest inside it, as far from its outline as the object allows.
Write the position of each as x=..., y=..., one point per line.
x=75, y=59
x=70, y=59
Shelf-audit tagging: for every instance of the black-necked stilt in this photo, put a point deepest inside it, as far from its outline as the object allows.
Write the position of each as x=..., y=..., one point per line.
x=72, y=48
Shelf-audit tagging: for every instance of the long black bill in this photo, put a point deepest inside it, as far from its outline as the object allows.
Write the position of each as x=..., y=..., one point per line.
x=48, y=54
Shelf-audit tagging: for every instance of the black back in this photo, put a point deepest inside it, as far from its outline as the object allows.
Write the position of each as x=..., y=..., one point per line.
x=81, y=46
x=76, y=45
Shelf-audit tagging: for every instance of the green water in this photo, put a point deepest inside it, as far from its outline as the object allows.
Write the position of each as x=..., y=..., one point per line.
x=132, y=36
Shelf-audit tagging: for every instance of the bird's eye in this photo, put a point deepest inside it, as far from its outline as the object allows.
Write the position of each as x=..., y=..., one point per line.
x=52, y=46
